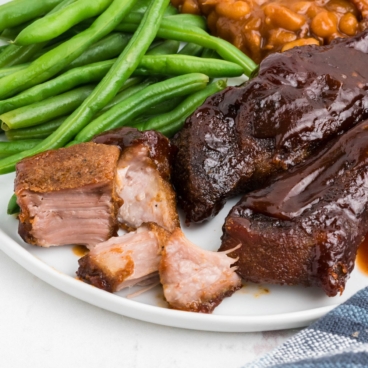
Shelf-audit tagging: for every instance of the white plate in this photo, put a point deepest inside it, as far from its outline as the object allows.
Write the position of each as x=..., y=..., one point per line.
x=249, y=309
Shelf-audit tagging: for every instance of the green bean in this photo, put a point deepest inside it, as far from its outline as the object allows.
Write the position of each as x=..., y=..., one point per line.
x=158, y=109
x=46, y=110
x=165, y=48
x=15, y=13
x=65, y=82
x=169, y=29
x=126, y=93
x=37, y=132
x=141, y=6
x=210, y=54
x=12, y=69
x=3, y=48
x=162, y=65
x=173, y=121
x=171, y=10
x=182, y=64
x=189, y=20
x=12, y=33
x=15, y=55
x=10, y=148
x=13, y=207
x=107, y=89
x=123, y=113
x=108, y=48
x=54, y=25
x=55, y=60
x=164, y=107
x=191, y=49
x=71, y=143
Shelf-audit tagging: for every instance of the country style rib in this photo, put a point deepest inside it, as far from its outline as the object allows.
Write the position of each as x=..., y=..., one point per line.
x=243, y=136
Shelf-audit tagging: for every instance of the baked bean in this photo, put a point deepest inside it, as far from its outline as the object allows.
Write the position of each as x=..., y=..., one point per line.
x=260, y=27
x=279, y=37
x=341, y=6
x=190, y=7
x=284, y=17
x=348, y=24
x=301, y=7
x=300, y=42
x=236, y=10
x=324, y=24
x=313, y=10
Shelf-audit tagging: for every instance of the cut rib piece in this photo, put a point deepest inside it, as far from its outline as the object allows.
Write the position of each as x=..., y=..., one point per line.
x=143, y=179
x=124, y=261
x=67, y=196
x=194, y=279
x=243, y=136
x=305, y=228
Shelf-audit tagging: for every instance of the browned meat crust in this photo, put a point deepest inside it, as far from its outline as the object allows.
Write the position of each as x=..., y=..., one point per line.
x=67, y=168
x=241, y=137
x=306, y=226
x=56, y=188
x=114, y=264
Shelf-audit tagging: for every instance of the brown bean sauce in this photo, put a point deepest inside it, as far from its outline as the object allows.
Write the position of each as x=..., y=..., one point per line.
x=362, y=256
x=262, y=27
x=80, y=250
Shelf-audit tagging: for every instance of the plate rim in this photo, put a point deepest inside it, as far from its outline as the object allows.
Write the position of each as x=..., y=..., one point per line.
x=151, y=313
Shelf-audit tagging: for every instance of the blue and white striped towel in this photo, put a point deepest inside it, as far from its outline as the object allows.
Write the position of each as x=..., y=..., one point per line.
x=338, y=340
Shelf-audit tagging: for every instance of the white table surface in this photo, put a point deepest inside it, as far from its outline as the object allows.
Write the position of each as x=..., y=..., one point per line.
x=41, y=326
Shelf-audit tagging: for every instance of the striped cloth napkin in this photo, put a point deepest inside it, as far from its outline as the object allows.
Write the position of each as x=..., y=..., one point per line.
x=338, y=340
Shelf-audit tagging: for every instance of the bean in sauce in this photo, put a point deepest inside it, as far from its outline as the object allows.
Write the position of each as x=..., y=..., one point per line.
x=261, y=27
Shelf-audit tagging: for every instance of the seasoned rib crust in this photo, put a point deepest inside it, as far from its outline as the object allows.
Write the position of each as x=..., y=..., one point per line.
x=67, y=168
x=241, y=137
x=306, y=226
x=85, y=169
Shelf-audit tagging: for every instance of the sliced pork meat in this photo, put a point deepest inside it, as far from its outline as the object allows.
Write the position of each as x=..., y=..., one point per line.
x=243, y=136
x=195, y=279
x=143, y=179
x=305, y=228
x=67, y=196
x=125, y=261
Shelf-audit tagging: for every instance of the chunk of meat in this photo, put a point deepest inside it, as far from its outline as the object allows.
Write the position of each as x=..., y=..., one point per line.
x=143, y=179
x=242, y=137
x=67, y=196
x=306, y=226
x=124, y=261
x=194, y=279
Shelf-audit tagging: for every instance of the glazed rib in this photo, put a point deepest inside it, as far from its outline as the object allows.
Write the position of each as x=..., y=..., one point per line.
x=67, y=196
x=305, y=227
x=195, y=279
x=242, y=137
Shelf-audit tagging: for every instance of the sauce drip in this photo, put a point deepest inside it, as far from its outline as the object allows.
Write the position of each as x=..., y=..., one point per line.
x=362, y=256
x=303, y=188
x=80, y=250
